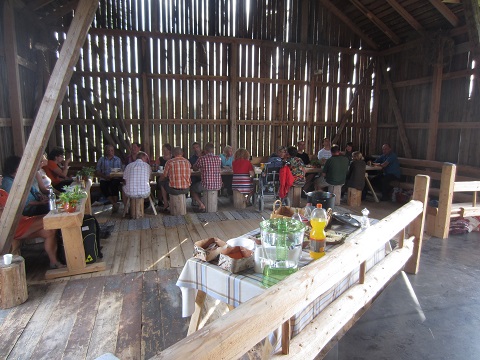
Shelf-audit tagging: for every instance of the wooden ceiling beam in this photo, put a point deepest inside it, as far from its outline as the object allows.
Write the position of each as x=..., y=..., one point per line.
x=61, y=11
x=446, y=12
x=339, y=14
x=406, y=15
x=376, y=21
x=38, y=4
x=45, y=120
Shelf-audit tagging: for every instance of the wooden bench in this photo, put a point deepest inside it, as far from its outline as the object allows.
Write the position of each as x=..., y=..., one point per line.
x=70, y=225
x=438, y=218
x=231, y=336
x=412, y=167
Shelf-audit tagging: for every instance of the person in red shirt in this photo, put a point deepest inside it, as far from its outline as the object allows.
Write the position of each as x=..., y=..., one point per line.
x=242, y=172
x=57, y=168
x=30, y=227
x=210, y=168
x=176, y=176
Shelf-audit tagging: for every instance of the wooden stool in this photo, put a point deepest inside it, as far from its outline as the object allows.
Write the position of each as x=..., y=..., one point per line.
x=239, y=200
x=13, y=283
x=354, y=197
x=178, y=204
x=337, y=190
x=210, y=200
x=137, y=207
x=295, y=194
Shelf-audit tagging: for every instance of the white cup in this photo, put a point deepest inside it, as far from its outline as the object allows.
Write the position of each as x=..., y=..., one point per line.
x=7, y=259
x=160, y=168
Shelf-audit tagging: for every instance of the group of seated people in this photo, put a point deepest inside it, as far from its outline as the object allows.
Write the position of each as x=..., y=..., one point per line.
x=176, y=177
x=36, y=207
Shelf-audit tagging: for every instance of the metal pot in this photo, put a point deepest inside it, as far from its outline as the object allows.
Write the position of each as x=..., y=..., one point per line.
x=327, y=199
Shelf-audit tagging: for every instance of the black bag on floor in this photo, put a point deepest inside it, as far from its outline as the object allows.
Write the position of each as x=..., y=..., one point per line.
x=91, y=241
x=91, y=238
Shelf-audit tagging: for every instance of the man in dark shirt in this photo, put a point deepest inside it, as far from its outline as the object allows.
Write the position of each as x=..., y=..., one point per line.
x=388, y=162
x=334, y=171
x=301, y=152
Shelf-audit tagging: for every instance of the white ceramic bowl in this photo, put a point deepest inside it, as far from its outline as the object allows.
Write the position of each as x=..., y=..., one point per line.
x=242, y=241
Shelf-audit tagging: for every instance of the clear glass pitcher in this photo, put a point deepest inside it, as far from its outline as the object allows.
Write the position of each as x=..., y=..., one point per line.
x=282, y=240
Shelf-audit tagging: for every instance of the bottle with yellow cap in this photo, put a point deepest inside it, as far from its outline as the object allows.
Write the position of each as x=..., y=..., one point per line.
x=318, y=221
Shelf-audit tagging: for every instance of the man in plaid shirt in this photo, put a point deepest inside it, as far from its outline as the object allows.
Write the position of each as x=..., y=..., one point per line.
x=210, y=167
x=137, y=177
x=177, y=171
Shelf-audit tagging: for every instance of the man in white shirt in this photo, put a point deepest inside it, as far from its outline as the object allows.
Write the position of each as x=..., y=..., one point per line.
x=137, y=177
x=325, y=153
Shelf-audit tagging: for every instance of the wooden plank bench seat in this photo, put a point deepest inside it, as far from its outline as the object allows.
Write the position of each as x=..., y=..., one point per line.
x=438, y=218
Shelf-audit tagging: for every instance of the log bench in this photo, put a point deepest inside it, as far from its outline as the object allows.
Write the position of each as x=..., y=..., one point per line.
x=70, y=225
x=438, y=218
x=241, y=329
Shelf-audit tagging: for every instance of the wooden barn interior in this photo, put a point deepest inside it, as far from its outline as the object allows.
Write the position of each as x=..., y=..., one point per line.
x=252, y=74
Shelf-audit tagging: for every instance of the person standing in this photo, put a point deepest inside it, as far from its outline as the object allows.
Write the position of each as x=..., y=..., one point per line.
x=334, y=171
x=325, y=153
x=137, y=177
x=210, y=168
x=390, y=166
x=175, y=177
x=109, y=186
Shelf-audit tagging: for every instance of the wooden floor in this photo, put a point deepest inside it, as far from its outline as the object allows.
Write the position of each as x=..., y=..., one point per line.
x=133, y=308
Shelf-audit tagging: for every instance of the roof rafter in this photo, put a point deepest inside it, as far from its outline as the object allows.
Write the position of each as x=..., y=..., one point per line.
x=406, y=15
x=378, y=23
x=446, y=12
x=339, y=14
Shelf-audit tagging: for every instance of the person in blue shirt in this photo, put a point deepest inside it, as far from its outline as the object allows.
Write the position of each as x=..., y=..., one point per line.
x=388, y=161
x=37, y=203
x=110, y=187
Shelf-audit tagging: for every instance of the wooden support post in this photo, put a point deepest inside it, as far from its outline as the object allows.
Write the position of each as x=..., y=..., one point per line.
x=337, y=190
x=295, y=195
x=420, y=193
x=234, y=95
x=435, y=103
x=45, y=119
x=13, y=78
x=13, y=283
x=447, y=182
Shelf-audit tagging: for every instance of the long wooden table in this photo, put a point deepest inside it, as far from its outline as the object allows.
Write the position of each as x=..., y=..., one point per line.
x=70, y=224
x=204, y=279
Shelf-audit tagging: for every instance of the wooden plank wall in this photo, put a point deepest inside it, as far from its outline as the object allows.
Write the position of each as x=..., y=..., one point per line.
x=160, y=72
x=187, y=78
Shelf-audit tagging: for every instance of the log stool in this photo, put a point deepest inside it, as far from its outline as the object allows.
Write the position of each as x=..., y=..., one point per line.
x=178, y=204
x=239, y=200
x=137, y=207
x=337, y=190
x=354, y=197
x=13, y=283
x=295, y=194
x=210, y=200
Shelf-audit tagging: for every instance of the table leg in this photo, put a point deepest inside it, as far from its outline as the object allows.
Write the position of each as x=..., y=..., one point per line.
x=367, y=180
x=195, y=319
x=286, y=337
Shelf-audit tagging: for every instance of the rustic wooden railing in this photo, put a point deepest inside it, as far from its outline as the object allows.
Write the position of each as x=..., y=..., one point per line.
x=232, y=335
